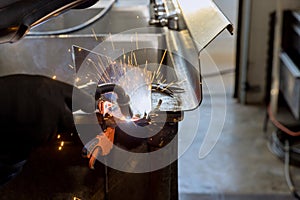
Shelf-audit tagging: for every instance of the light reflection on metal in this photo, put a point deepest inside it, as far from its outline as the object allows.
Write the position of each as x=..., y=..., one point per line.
x=131, y=70
x=204, y=20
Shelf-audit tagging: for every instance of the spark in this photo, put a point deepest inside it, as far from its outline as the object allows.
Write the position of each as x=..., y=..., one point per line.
x=95, y=66
x=94, y=34
x=124, y=56
x=101, y=65
x=146, y=66
x=135, y=61
x=157, y=74
x=161, y=61
x=161, y=77
x=149, y=77
x=58, y=136
x=131, y=56
x=112, y=43
x=124, y=69
x=169, y=85
x=54, y=77
x=152, y=78
x=172, y=59
x=102, y=79
x=114, y=70
x=62, y=143
x=121, y=63
x=128, y=60
x=60, y=148
x=181, y=81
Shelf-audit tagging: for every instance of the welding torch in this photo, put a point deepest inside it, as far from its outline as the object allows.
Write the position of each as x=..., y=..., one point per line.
x=123, y=99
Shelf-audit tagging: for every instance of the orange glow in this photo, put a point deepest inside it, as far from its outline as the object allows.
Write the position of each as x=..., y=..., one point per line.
x=58, y=136
x=59, y=148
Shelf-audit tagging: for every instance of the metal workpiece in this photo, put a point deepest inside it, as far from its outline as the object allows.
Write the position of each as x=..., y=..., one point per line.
x=38, y=48
x=51, y=55
x=184, y=59
x=204, y=21
x=176, y=82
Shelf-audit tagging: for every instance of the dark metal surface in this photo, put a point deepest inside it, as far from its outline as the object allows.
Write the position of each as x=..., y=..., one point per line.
x=19, y=16
x=290, y=83
x=51, y=55
x=31, y=116
x=51, y=173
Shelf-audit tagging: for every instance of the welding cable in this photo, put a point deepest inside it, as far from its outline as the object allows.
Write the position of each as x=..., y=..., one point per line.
x=79, y=27
x=281, y=126
x=287, y=171
x=277, y=146
x=123, y=99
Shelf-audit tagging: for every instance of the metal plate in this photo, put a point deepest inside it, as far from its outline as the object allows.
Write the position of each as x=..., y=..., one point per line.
x=204, y=21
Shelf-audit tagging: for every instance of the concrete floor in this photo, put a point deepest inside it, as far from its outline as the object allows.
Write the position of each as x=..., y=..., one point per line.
x=240, y=166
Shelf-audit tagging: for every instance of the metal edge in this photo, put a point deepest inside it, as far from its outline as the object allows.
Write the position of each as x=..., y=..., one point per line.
x=204, y=20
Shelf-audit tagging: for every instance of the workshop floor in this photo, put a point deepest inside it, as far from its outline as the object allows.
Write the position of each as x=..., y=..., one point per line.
x=240, y=166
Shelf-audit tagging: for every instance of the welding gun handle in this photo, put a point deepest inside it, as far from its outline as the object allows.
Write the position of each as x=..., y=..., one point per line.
x=125, y=107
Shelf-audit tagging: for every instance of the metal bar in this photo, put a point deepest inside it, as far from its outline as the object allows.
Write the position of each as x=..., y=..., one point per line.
x=244, y=50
